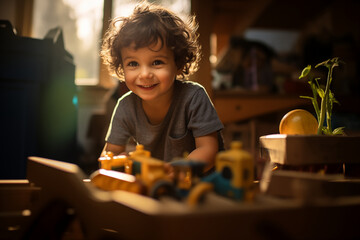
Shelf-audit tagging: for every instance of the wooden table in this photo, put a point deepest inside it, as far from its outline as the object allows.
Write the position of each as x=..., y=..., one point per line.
x=65, y=196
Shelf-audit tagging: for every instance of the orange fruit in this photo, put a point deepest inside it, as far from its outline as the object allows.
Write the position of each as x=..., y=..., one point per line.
x=298, y=121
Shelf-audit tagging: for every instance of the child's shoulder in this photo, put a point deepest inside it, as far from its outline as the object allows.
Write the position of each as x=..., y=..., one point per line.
x=188, y=85
x=189, y=90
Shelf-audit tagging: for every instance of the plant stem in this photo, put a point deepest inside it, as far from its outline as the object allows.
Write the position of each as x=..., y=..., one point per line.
x=315, y=102
x=328, y=118
x=324, y=101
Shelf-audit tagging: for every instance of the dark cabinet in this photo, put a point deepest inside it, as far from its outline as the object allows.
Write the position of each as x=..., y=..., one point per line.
x=37, y=100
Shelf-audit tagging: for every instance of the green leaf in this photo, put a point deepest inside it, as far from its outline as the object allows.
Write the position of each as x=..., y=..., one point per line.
x=321, y=92
x=339, y=131
x=307, y=97
x=305, y=72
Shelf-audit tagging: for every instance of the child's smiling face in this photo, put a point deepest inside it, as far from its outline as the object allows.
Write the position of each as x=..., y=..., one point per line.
x=150, y=71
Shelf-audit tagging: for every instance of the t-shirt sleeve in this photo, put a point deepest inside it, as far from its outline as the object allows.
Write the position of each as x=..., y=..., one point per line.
x=118, y=132
x=203, y=118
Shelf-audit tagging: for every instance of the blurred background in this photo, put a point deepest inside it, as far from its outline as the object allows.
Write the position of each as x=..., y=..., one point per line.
x=253, y=54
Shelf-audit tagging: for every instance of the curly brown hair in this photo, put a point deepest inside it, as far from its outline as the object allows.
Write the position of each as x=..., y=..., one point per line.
x=147, y=25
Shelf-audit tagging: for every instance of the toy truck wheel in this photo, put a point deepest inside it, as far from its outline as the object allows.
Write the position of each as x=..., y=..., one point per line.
x=162, y=188
x=198, y=193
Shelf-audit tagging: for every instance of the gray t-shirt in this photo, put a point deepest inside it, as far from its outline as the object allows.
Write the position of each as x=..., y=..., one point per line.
x=191, y=114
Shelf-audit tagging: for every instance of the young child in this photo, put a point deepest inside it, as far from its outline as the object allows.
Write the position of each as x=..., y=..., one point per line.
x=154, y=52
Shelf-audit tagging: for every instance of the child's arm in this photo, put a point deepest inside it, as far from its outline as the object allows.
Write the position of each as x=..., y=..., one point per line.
x=206, y=149
x=116, y=149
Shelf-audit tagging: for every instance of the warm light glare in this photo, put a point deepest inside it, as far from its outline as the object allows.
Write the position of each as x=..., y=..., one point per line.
x=213, y=59
x=84, y=12
x=117, y=175
x=26, y=212
x=124, y=8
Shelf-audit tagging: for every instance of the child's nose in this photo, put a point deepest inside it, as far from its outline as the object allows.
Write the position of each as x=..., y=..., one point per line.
x=146, y=73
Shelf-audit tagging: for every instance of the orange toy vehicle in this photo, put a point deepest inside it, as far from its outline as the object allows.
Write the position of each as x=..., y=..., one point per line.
x=139, y=173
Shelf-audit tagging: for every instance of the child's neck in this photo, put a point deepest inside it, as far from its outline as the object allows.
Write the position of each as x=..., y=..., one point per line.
x=156, y=111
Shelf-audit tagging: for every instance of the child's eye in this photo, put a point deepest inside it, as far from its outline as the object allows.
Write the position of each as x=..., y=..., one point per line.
x=132, y=64
x=158, y=62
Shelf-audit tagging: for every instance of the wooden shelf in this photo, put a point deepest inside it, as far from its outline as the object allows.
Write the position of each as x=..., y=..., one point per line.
x=233, y=106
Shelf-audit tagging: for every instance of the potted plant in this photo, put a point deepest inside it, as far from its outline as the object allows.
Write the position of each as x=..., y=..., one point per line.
x=327, y=97
x=304, y=142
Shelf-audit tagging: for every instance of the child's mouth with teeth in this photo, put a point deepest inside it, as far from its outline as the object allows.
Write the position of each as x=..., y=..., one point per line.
x=148, y=86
